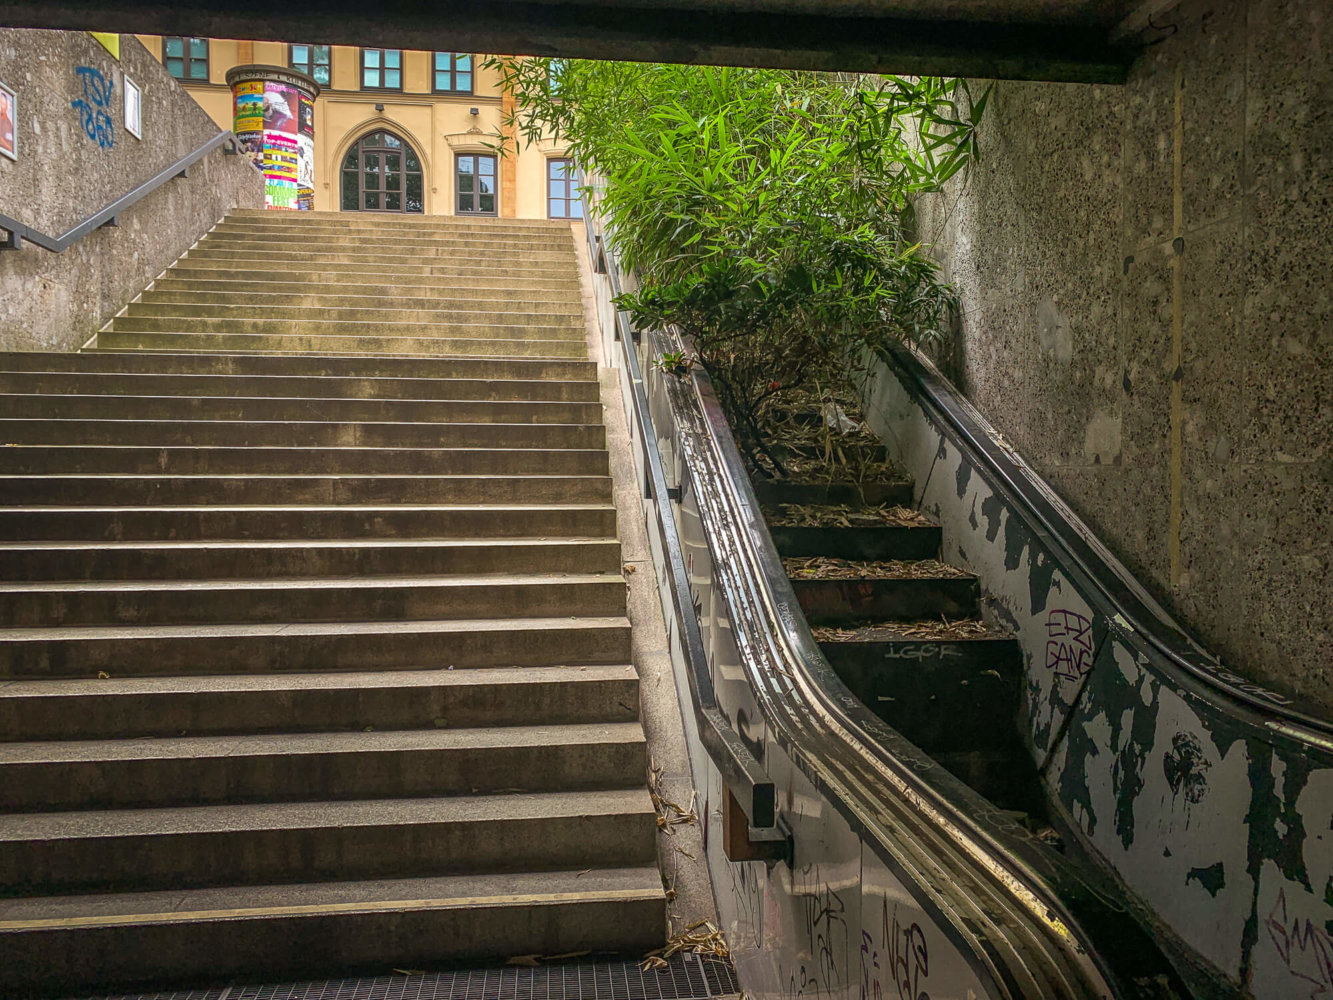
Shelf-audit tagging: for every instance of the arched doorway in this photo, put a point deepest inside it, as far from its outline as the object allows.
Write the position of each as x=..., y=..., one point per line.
x=382, y=173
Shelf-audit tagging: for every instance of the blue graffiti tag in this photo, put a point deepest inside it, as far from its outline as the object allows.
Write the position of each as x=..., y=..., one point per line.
x=92, y=107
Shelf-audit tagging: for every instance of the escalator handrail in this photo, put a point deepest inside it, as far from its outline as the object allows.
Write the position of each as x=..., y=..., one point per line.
x=1120, y=599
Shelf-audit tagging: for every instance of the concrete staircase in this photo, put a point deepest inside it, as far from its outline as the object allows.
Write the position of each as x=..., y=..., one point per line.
x=314, y=662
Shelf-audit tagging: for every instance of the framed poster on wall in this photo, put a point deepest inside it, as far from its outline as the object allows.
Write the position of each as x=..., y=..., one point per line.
x=133, y=109
x=9, y=117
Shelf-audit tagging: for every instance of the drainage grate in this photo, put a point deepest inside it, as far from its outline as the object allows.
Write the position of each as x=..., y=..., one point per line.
x=686, y=977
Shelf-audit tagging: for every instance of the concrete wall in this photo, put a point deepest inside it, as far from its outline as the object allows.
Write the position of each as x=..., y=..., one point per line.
x=439, y=127
x=55, y=302
x=1144, y=274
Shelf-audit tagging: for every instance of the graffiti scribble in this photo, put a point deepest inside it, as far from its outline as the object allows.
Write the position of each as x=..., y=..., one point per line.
x=92, y=107
x=825, y=927
x=1306, y=950
x=1186, y=768
x=904, y=953
x=1068, y=644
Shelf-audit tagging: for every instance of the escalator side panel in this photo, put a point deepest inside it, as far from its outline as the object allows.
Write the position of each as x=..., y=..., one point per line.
x=1216, y=812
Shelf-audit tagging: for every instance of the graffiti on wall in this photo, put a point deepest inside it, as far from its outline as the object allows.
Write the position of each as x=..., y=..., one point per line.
x=1068, y=644
x=899, y=955
x=92, y=107
x=1306, y=950
x=822, y=935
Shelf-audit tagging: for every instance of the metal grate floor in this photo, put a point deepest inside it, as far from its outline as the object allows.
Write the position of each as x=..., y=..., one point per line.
x=686, y=977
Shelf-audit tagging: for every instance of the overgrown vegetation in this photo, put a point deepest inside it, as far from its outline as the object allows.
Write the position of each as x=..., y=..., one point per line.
x=766, y=212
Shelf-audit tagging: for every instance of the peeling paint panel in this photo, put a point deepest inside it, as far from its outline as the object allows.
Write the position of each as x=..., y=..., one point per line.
x=1218, y=817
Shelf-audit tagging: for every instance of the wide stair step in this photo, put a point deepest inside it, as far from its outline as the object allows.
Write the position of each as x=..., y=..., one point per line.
x=314, y=653
x=83, y=942
x=294, y=767
x=147, y=650
x=217, y=558
x=197, y=846
x=122, y=707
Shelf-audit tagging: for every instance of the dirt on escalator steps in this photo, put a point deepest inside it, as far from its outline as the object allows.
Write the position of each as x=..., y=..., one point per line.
x=904, y=630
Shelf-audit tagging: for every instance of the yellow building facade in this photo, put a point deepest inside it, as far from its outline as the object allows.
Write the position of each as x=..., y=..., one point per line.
x=445, y=109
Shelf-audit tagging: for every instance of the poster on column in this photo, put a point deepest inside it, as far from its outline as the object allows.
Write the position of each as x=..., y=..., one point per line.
x=305, y=140
x=282, y=107
x=305, y=172
x=282, y=155
x=248, y=123
x=280, y=163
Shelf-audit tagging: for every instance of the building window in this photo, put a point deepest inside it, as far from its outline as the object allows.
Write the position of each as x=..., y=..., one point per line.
x=453, y=73
x=382, y=69
x=185, y=58
x=563, y=198
x=312, y=60
x=476, y=184
x=554, y=71
x=382, y=173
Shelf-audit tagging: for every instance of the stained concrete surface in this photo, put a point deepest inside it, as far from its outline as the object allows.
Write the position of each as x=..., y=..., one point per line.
x=55, y=302
x=1113, y=243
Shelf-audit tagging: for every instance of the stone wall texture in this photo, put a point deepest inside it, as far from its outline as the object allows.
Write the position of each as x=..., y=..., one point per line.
x=55, y=302
x=1146, y=276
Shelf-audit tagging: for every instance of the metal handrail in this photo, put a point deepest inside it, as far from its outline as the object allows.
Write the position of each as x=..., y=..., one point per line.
x=20, y=232
x=1121, y=598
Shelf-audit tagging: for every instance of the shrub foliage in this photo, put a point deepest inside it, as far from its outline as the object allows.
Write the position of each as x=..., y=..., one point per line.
x=767, y=213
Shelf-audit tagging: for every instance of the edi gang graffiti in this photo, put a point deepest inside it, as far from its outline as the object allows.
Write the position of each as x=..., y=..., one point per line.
x=1213, y=807
x=274, y=122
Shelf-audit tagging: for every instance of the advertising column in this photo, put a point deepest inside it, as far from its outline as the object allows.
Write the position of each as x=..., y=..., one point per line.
x=274, y=122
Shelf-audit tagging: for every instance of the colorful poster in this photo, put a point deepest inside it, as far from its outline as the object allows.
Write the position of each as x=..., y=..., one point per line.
x=307, y=123
x=252, y=147
x=281, y=159
x=305, y=172
x=282, y=107
x=9, y=141
x=249, y=107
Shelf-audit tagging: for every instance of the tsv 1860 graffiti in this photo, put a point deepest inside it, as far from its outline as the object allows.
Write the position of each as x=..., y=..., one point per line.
x=93, y=105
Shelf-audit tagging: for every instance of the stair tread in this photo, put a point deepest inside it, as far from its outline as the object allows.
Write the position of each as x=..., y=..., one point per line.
x=208, y=684
x=359, y=582
x=300, y=476
x=278, y=744
x=10, y=447
x=244, y=817
x=238, y=902
x=303, y=508
x=301, y=543
x=299, y=629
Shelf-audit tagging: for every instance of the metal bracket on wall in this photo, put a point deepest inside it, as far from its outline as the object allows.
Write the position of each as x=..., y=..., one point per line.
x=743, y=842
x=12, y=240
